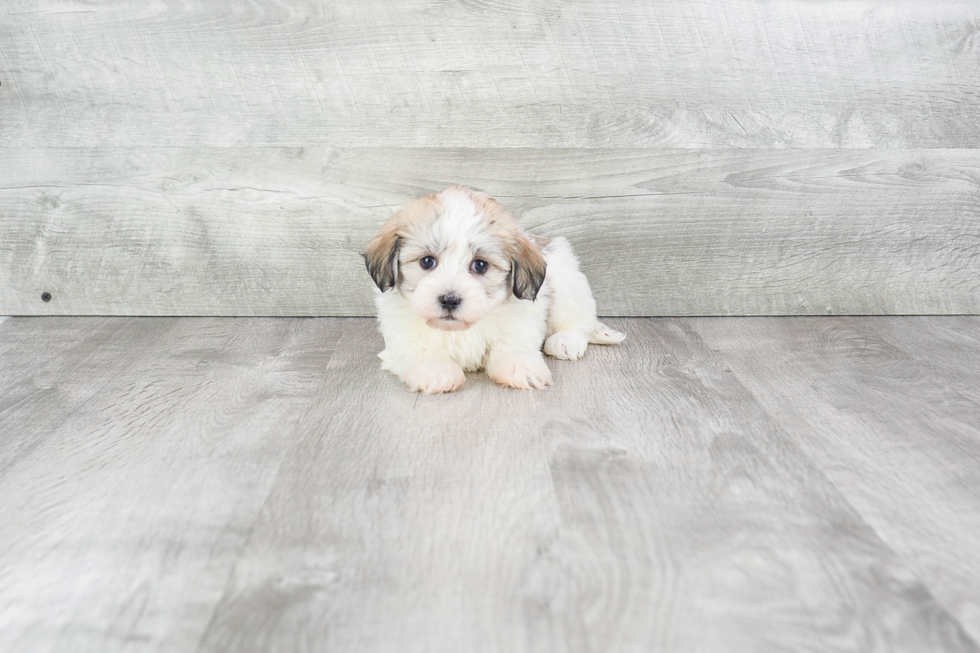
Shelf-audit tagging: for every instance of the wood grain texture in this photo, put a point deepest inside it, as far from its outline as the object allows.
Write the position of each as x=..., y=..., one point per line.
x=490, y=73
x=278, y=231
x=889, y=408
x=37, y=375
x=134, y=457
x=261, y=485
x=423, y=514
x=693, y=521
x=577, y=520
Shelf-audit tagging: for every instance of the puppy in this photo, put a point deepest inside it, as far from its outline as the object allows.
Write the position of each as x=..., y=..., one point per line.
x=462, y=288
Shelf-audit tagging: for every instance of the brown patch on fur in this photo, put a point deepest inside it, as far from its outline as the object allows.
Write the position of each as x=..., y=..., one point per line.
x=503, y=225
x=381, y=254
x=529, y=267
x=540, y=241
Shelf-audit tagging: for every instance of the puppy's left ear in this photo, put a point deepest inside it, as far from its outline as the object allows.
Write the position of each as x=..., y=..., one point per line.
x=527, y=267
x=381, y=256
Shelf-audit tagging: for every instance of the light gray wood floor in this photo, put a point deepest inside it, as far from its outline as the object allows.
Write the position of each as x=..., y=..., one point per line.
x=714, y=484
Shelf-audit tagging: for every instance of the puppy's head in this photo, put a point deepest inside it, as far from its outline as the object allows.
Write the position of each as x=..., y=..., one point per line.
x=455, y=255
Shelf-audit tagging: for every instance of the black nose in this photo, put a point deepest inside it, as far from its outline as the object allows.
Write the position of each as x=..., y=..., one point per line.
x=449, y=301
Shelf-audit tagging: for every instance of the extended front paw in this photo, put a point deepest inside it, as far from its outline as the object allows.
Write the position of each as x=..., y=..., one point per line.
x=566, y=345
x=522, y=371
x=434, y=377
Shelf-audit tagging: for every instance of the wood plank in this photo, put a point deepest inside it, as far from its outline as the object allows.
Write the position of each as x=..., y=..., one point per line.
x=947, y=345
x=399, y=521
x=376, y=73
x=153, y=450
x=692, y=521
x=278, y=231
x=41, y=361
x=262, y=485
x=892, y=427
x=656, y=506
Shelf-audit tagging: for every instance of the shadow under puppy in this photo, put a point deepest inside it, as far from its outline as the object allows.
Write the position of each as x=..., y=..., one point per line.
x=461, y=287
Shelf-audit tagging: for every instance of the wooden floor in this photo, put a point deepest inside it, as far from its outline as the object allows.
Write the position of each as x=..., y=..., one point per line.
x=714, y=484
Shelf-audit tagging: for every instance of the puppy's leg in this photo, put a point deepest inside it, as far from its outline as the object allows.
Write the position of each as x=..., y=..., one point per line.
x=409, y=352
x=603, y=335
x=567, y=344
x=433, y=376
x=522, y=369
x=572, y=322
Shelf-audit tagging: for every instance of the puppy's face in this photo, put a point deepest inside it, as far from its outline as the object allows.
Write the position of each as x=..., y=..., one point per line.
x=455, y=256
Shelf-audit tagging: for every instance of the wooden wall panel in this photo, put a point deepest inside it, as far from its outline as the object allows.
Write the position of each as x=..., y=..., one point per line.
x=277, y=231
x=707, y=157
x=478, y=73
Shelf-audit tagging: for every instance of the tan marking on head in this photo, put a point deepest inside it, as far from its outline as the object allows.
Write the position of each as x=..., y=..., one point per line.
x=381, y=253
x=502, y=224
x=540, y=241
x=528, y=267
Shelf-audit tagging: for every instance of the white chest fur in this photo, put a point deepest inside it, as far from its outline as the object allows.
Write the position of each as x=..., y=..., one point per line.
x=407, y=336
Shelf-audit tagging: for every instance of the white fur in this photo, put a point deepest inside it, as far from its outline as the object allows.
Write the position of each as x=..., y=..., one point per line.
x=495, y=330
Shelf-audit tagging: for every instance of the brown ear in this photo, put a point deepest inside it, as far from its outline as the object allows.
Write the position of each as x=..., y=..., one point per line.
x=381, y=256
x=527, y=267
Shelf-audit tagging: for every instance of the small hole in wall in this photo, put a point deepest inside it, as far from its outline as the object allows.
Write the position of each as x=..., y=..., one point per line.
x=45, y=297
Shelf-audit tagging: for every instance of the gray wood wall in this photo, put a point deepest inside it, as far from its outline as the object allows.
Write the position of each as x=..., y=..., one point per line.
x=706, y=157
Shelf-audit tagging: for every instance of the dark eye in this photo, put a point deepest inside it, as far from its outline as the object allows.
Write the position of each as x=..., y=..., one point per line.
x=427, y=262
x=478, y=267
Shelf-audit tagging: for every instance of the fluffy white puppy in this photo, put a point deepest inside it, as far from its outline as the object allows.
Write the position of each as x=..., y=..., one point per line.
x=461, y=287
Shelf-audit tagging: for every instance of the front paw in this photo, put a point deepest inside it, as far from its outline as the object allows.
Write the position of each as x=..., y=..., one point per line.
x=521, y=371
x=434, y=377
x=566, y=345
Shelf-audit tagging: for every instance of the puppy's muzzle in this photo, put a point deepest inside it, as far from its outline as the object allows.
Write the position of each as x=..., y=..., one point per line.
x=450, y=301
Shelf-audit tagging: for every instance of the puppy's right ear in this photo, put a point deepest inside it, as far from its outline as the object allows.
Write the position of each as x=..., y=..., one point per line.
x=381, y=256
